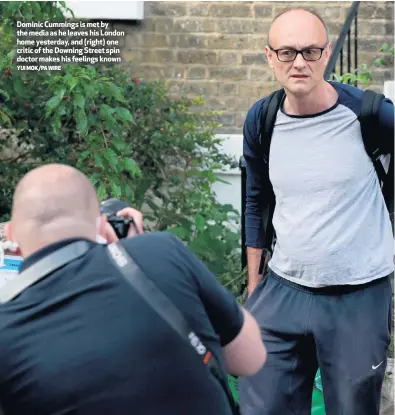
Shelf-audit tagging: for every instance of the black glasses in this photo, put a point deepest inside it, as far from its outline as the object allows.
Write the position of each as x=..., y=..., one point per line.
x=289, y=55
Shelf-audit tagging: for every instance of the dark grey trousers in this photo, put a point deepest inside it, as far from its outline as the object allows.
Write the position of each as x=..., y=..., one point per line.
x=344, y=330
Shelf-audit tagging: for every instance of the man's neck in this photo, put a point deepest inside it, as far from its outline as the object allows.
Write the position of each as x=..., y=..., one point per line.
x=321, y=98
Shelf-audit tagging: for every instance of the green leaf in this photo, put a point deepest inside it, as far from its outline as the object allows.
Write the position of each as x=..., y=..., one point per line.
x=175, y=180
x=384, y=47
x=116, y=190
x=84, y=155
x=26, y=13
x=89, y=88
x=228, y=208
x=5, y=118
x=200, y=223
x=211, y=176
x=79, y=101
x=35, y=8
x=179, y=232
x=110, y=155
x=12, y=54
x=378, y=62
x=53, y=102
x=5, y=94
x=60, y=92
x=81, y=120
x=124, y=113
x=218, y=179
x=128, y=191
x=106, y=111
x=101, y=192
x=87, y=75
x=95, y=178
x=336, y=77
x=56, y=125
x=112, y=90
x=98, y=160
x=130, y=165
x=61, y=110
x=72, y=84
x=119, y=144
x=18, y=85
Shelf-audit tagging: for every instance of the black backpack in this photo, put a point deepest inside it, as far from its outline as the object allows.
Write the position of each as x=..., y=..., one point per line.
x=369, y=121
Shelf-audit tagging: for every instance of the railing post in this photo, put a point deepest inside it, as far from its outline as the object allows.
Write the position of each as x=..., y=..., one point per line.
x=356, y=44
x=242, y=166
x=338, y=49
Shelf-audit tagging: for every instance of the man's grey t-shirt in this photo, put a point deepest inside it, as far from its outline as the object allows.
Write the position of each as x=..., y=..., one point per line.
x=331, y=222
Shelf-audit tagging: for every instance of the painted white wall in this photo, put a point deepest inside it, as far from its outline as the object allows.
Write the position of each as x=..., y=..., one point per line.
x=230, y=193
x=389, y=90
x=109, y=10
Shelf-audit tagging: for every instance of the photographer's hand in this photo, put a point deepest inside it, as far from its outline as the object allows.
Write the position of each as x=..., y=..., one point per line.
x=109, y=234
x=137, y=226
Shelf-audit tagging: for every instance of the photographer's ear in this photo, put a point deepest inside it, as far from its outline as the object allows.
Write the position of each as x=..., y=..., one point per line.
x=10, y=238
x=100, y=229
x=106, y=233
x=8, y=231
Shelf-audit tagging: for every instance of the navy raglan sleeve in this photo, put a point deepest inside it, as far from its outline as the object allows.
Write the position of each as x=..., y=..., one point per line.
x=224, y=312
x=251, y=153
x=386, y=122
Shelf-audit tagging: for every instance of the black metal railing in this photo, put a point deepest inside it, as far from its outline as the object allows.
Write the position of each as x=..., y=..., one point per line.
x=341, y=48
x=242, y=166
x=337, y=58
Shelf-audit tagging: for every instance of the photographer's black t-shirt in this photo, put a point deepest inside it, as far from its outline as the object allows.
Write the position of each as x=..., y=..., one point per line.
x=82, y=341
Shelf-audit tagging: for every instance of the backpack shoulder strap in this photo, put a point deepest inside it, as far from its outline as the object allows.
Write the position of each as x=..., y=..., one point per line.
x=370, y=107
x=369, y=119
x=267, y=121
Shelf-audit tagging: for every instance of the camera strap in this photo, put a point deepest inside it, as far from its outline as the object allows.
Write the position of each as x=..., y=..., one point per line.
x=133, y=274
x=42, y=269
x=166, y=309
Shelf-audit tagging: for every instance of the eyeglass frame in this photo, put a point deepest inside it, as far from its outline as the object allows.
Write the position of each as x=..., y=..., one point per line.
x=297, y=53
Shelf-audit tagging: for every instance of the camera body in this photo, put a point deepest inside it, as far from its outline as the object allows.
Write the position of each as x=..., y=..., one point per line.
x=120, y=224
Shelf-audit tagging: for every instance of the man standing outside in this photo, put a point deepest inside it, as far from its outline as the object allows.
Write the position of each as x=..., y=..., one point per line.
x=326, y=298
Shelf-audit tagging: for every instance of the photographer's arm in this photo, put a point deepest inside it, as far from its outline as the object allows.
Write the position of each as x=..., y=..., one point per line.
x=238, y=331
x=245, y=354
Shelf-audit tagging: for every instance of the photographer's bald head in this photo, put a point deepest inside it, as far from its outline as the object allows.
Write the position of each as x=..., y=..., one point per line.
x=52, y=203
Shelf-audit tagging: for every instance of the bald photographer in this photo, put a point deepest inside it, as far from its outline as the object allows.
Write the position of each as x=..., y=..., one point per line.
x=94, y=324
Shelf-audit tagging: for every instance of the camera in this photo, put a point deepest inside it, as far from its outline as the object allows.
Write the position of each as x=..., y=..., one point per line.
x=120, y=224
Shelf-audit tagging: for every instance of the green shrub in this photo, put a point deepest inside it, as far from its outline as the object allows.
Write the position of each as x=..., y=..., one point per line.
x=363, y=75
x=129, y=137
